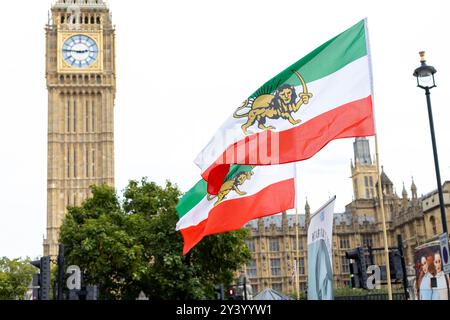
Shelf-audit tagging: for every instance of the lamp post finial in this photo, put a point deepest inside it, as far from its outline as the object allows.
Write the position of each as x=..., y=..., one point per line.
x=422, y=56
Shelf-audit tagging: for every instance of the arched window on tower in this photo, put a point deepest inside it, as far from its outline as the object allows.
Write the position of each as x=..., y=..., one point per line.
x=87, y=115
x=93, y=115
x=68, y=161
x=74, y=115
x=68, y=114
x=93, y=163
x=74, y=161
x=87, y=161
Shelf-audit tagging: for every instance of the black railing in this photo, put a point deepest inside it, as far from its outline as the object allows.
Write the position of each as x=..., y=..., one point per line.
x=395, y=296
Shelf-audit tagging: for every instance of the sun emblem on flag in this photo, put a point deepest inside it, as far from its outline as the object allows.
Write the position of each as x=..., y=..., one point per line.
x=282, y=104
x=232, y=185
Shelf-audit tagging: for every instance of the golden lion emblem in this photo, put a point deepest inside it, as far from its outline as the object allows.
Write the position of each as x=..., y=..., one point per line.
x=268, y=106
x=232, y=185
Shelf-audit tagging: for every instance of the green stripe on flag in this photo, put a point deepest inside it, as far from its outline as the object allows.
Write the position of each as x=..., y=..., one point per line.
x=191, y=198
x=323, y=61
x=198, y=192
x=238, y=168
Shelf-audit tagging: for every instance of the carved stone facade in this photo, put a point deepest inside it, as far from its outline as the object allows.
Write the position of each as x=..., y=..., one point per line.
x=272, y=241
x=430, y=203
x=81, y=83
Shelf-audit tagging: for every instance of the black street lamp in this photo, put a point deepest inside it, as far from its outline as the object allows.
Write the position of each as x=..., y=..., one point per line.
x=425, y=80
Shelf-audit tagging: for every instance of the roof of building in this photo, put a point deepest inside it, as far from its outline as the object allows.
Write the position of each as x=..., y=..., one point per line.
x=276, y=221
x=365, y=219
x=339, y=219
x=270, y=294
x=95, y=4
x=343, y=218
x=435, y=191
x=384, y=178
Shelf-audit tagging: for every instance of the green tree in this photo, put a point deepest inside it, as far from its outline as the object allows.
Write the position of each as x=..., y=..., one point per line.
x=97, y=238
x=131, y=246
x=15, y=277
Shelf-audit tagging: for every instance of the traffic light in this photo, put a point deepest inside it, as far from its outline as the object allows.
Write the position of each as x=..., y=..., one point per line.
x=395, y=264
x=61, y=272
x=219, y=291
x=358, y=269
x=234, y=294
x=231, y=293
x=36, y=286
x=42, y=280
x=354, y=274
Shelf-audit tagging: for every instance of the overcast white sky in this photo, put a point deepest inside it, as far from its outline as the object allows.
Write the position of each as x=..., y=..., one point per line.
x=184, y=66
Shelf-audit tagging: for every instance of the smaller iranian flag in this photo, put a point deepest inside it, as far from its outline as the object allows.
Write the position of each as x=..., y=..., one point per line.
x=248, y=193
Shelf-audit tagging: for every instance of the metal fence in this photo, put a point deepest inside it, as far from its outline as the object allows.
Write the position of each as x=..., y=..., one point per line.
x=395, y=296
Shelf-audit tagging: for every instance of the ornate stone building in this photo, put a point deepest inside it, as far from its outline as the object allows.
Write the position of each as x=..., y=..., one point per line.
x=81, y=83
x=432, y=213
x=273, y=244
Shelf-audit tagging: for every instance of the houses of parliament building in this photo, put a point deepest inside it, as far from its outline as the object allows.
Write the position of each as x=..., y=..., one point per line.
x=417, y=219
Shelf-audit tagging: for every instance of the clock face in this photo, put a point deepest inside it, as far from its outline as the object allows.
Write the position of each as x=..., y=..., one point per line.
x=80, y=51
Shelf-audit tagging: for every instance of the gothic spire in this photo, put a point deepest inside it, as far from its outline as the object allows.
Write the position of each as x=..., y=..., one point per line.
x=413, y=189
x=404, y=193
x=307, y=213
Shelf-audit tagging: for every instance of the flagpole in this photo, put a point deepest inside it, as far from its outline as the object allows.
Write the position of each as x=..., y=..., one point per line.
x=380, y=191
x=383, y=217
x=297, y=277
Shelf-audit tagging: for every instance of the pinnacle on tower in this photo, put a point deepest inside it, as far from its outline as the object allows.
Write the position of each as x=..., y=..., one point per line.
x=404, y=193
x=307, y=213
x=307, y=208
x=413, y=189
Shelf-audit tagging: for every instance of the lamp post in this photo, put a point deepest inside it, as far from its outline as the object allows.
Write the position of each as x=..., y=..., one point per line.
x=425, y=80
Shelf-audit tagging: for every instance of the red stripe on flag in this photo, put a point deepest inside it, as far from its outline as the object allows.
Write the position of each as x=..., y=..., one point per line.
x=234, y=214
x=354, y=119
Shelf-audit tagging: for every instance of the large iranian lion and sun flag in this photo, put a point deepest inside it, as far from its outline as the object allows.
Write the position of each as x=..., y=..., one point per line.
x=326, y=95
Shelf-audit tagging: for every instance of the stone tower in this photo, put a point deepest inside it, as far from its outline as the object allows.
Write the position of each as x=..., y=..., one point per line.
x=364, y=171
x=81, y=83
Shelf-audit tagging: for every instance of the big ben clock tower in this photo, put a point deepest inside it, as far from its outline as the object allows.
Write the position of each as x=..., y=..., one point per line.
x=81, y=82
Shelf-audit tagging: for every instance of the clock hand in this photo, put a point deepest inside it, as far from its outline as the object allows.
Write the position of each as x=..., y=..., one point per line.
x=77, y=51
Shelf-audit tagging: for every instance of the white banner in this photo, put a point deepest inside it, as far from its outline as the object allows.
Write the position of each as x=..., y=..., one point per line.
x=320, y=253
